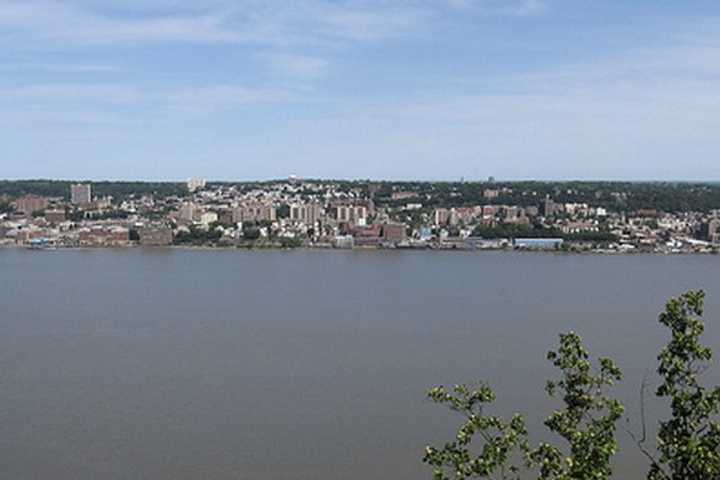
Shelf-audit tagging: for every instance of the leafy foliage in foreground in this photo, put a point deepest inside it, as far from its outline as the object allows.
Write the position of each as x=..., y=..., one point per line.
x=688, y=443
x=588, y=421
x=501, y=438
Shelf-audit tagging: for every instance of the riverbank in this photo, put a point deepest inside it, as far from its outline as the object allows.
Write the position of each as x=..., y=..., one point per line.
x=565, y=251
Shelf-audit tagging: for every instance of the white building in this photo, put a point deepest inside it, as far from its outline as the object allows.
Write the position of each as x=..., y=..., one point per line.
x=207, y=218
x=196, y=184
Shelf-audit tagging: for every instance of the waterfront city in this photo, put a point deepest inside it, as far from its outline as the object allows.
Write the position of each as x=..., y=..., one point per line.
x=291, y=213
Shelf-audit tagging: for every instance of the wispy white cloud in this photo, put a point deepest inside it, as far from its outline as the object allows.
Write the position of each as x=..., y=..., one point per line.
x=60, y=67
x=296, y=65
x=647, y=105
x=222, y=97
x=367, y=23
x=460, y=4
x=83, y=96
x=53, y=25
x=501, y=7
x=70, y=93
x=524, y=7
x=81, y=23
x=322, y=27
x=647, y=113
x=250, y=22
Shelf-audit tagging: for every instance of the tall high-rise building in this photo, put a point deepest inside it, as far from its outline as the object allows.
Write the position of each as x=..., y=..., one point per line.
x=307, y=213
x=548, y=208
x=255, y=212
x=710, y=230
x=188, y=211
x=442, y=216
x=81, y=193
x=352, y=214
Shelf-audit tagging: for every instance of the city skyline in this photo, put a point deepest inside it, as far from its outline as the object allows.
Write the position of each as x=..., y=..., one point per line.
x=294, y=213
x=426, y=90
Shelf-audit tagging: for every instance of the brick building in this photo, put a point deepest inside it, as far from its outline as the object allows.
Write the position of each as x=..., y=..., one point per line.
x=255, y=212
x=28, y=204
x=100, y=236
x=394, y=232
x=155, y=236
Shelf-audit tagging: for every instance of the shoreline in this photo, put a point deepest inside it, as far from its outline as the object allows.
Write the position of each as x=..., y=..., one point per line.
x=359, y=249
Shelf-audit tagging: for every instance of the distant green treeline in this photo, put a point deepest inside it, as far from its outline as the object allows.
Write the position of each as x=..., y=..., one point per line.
x=616, y=196
x=61, y=188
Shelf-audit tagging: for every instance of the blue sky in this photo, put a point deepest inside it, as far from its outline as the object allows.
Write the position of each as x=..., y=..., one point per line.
x=401, y=89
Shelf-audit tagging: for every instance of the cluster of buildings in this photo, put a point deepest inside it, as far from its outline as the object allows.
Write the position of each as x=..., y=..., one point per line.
x=307, y=213
x=345, y=215
x=38, y=221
